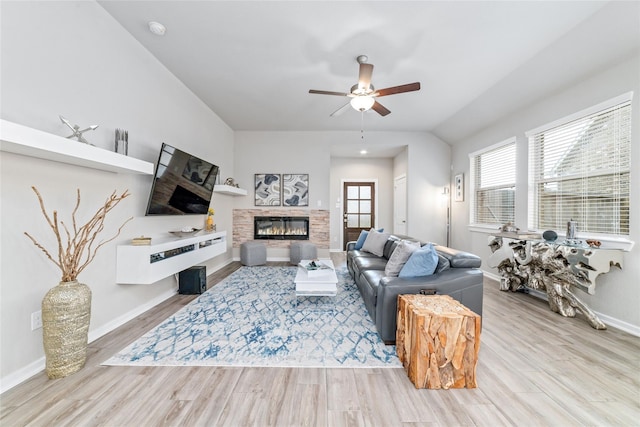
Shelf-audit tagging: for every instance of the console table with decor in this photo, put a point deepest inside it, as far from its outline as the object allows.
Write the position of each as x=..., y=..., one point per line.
x=553, y=268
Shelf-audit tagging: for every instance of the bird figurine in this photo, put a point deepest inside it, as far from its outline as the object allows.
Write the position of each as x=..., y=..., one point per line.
x=77, y=133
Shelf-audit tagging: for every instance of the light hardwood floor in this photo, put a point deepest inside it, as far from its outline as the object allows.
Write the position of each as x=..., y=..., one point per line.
x=535, y=368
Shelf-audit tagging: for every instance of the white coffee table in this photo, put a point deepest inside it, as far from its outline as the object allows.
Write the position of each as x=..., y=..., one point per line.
x=320, y=284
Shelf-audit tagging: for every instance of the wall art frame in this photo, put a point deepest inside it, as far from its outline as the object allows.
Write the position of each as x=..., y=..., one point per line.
x=458, y=187
x=267, y=189
x=295, y=189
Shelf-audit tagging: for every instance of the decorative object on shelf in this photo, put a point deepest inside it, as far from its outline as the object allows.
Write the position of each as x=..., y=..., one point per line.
x=66, y=308
x=77, y=133
x=550, y=236
x=552, y=268
x=509, y=228
x=295, y=189
x=122, y=142
x=209, y=225
x=572, y=228
x=458, y=185
x=141, y=241
x=185, y=232
x=593, y=243
x=231, y=182
x=267, y=189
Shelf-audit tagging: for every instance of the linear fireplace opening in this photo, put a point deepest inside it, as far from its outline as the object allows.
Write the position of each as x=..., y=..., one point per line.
x=281, y=227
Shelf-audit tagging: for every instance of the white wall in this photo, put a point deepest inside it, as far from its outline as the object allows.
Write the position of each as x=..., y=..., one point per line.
x=72, y=58
x=429, y=166
x=283, y=152
x=617, y=296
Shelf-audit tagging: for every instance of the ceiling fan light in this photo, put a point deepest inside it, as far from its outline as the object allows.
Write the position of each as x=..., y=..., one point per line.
x=362, y=103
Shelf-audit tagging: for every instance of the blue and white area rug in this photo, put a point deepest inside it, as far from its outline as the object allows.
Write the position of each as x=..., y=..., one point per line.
x=252, y=318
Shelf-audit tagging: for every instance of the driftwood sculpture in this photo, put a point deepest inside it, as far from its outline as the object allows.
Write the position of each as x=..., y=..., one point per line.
x=553, y=269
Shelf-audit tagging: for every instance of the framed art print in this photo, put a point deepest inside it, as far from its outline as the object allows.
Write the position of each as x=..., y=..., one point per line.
x=267, y=189
x=295, y=189
x=458, y=187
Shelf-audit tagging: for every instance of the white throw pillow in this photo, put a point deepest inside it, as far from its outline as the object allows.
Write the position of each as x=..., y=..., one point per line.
x=375, y=242
x=399, y=257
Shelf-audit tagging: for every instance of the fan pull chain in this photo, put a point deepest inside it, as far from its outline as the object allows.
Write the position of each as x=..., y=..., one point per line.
x=362, y=126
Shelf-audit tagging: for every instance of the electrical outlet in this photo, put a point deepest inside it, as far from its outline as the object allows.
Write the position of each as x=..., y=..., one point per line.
x=36, y=320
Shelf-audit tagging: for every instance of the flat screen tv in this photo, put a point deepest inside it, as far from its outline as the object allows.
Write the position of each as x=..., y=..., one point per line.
x=182, y=185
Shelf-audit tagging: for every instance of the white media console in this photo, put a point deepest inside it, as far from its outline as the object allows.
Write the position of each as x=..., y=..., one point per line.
x=166, y=256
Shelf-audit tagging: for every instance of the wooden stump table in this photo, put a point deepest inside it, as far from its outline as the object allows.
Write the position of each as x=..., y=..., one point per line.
x=437, y=341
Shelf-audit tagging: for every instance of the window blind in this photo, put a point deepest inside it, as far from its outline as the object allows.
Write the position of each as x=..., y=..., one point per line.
x=493, y=182
x=580, y=170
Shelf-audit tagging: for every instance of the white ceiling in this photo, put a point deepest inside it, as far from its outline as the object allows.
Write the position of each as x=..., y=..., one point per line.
x=253, y=62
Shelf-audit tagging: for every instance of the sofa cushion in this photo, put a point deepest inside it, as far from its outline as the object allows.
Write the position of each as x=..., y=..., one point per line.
x=400, y=255
x=375, y=241
x=390, y=246
x=422, y=262
x=443, y=263
x=460, y=259
x=363, y=237
x=362, y=264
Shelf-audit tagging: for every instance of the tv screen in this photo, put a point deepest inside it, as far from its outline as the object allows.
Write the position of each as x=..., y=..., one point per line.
x=182, y=185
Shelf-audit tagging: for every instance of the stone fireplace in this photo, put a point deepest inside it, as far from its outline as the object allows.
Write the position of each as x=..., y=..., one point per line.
x=244, y=227
x=281, y=227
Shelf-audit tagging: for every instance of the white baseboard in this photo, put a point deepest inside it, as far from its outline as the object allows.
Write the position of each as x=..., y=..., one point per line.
x=130, y=315
x=608, y=320
x=23, y=374
x=619, y=324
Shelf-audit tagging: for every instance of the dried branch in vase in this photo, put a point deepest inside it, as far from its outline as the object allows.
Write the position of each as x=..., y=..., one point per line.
x=80, y=246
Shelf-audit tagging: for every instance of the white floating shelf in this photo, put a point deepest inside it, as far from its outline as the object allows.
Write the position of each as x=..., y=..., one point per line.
x=166, y=256
x=20, y=139
x=230, y=190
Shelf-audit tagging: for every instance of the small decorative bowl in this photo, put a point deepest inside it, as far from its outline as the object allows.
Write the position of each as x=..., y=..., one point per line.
x=181, y=233
x=550, y=236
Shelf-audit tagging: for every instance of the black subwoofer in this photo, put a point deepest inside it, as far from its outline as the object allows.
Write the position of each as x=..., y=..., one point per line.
x=192, y=280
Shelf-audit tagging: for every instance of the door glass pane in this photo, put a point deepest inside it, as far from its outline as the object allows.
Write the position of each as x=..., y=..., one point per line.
x=352, y=220
x=352, y=206
x=365, y=206
x=365, y=192
x=365, y=221
x=352, y=192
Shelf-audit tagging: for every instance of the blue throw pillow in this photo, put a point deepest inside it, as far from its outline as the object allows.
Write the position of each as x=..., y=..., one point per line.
x=363, y=237
x=422, y=262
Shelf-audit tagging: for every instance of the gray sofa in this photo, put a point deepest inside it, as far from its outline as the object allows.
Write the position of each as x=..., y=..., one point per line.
x=458, y=274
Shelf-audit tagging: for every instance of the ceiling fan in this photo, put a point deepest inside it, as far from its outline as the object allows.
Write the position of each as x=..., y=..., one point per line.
x=363, y=94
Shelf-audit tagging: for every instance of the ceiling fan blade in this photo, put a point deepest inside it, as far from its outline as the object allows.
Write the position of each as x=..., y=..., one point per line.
x=380, y=109
x=364, y=78
x=398, y=89
x=341, y=110
x=327, y=92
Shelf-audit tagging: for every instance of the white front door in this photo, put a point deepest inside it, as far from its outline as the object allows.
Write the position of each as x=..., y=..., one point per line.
x=400, y=205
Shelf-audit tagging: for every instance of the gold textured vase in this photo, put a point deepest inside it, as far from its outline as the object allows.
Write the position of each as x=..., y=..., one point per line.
x=66, y=313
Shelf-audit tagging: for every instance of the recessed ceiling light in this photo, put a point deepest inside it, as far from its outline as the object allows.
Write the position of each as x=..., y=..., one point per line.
x=157, y=28
x=363, y=151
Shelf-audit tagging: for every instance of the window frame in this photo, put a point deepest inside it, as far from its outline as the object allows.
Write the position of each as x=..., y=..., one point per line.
x=473, y=223
x=619, y=240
